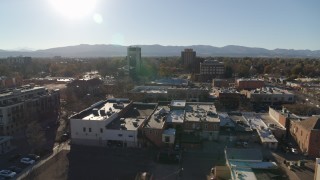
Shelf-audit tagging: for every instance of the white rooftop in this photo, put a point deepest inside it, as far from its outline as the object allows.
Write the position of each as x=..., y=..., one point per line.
x=175, y=116
x=178, y=103
x=108, y=109
x=170, y=132
x=243, y=174
x=201, y=112
x=263, y=130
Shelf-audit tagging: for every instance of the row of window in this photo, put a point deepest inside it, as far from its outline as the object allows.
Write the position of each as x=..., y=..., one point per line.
x=90, y=130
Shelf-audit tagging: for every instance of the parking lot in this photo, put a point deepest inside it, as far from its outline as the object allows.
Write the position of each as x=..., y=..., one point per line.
x=124, y=163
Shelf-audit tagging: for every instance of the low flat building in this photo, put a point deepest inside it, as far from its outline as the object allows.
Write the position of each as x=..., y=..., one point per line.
x=229, y=97
x=267, y=139
x=114, y=121
x=243, y=163
x=176, y=82
x=154, y=126
x=202, y=120
x=270, y=95
x=219, y=83
x=167, y=93
x=249, y=84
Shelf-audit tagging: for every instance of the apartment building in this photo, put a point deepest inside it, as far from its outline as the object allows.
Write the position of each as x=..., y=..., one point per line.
x=24, y=104
x=210, y=69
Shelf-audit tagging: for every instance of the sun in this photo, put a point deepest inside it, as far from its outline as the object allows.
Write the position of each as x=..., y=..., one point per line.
x=74, y=9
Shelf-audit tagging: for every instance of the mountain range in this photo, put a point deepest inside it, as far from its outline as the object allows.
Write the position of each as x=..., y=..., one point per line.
x=110, y=50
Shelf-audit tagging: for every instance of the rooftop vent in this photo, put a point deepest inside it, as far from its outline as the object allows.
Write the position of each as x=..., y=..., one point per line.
x=95, y=112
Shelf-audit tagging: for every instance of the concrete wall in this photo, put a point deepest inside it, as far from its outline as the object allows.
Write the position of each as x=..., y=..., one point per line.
x=277, y=116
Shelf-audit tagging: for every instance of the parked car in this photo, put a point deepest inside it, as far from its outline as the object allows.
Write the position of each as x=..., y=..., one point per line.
x=33, y=156
x=27, y=160
x=7, y=173
x=15, y=169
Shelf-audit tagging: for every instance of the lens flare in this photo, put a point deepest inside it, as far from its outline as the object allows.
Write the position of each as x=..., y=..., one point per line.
x=74, y=9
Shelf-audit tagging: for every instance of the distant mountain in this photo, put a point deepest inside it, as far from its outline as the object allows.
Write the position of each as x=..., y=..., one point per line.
x=102, y=50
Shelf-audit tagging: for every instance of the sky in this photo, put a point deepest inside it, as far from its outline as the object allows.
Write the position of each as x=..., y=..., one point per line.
x=42, y=24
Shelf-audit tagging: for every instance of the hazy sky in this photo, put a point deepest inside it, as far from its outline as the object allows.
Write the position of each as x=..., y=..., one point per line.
x=41, y=24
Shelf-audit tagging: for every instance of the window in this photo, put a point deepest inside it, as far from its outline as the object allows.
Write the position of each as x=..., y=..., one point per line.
x=167, y=139
x=206, y=126
x=84, y=129
x=120, y=135
x=101, y=130
x=89, y=129
x=130, y=136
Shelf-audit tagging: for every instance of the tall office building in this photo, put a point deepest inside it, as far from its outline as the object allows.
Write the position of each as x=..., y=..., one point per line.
x=134, y=59
x=188, y=57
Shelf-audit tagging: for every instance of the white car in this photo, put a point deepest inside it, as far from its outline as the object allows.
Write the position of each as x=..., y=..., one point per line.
x=26, y=160
x=7, y=173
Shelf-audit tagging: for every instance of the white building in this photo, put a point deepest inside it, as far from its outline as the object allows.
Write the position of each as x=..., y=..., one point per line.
x=266, y=136
x=104, y=123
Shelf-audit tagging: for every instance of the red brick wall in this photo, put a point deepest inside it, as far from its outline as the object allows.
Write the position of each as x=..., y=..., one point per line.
x=314, y=143
x=249, y=84
x=154, y=135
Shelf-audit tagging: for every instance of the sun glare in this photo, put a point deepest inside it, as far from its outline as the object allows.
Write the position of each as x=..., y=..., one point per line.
x=74, y=9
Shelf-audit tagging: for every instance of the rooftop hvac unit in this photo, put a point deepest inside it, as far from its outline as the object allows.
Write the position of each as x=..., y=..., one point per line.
x=95, y=112
x=102, y=112
x=135, y=124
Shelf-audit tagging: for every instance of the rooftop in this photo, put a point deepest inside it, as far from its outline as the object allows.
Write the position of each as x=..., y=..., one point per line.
x=171, y=82
x=157, y=120
x=269, y=90
x=270, y=122
x=251, y=79
x=263, y=130
x=178, y=103
x=20, y=90
x=311, y=123
x=175, y=116
x=212, y=62
x=243, y=174
x=237, y=154
x=134, y=117
x=170, y=132
x=102, y=110
x=201, y=112
x=150, y=89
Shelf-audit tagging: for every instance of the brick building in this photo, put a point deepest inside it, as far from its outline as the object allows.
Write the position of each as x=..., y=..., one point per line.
x=307, y=135
x=249, y=84
x=210, y=69
x=188, y=57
